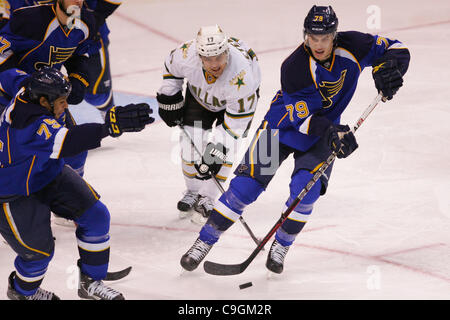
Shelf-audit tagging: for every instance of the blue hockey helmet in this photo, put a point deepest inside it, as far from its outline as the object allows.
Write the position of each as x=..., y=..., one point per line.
x=320, y=20
x=49, y=83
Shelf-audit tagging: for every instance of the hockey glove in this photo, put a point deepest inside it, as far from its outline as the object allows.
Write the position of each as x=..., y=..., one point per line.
x=212, y=160
x=171, y=108
x=79, y=85
x=387, y=76
x=341, y=140
x=338, y=137
x=129, y=118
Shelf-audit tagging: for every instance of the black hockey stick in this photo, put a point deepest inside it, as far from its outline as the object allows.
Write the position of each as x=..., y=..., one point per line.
x=233, y=269
x=219, y=185
x=117, y=275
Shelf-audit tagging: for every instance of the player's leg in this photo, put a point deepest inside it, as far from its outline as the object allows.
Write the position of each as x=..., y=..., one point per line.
x=71, y=197
x=263, y=157
x=25, y=225
x=197, y=121
x=99, y=93
x=305, y=166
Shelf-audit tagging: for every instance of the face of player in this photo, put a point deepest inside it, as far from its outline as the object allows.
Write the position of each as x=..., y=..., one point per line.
x=321, y=45
x=59, y=105
x=215, y=65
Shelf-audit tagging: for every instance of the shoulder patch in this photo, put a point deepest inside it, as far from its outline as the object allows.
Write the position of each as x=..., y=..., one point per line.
x=238, y=80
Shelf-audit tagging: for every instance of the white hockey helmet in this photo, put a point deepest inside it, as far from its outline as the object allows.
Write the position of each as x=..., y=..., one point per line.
x=211, y=41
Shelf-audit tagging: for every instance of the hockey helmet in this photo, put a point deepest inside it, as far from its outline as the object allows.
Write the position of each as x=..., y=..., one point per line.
x=320, y=20
x=211, y=41
x=49, y=83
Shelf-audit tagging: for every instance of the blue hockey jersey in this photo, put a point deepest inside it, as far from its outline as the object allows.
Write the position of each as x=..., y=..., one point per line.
x=309, y=88
x=33, y=37
x=33, y=144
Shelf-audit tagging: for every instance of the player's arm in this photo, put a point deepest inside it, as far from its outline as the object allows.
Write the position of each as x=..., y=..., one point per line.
x=390, y=62
x=21, y=34
x=239, y=115
x=170, y=95
x=77, y=70
x=104, y=9
x=72, y=140
x=12, y=80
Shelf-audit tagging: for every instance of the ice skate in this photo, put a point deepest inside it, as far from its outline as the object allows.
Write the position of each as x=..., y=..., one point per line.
x=40, y=294
x=203, y=209
x=192, y=258
x=186, y=204
x=275, y=258
x=96, y=290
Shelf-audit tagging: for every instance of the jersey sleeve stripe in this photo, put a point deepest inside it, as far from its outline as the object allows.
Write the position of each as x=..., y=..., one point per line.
x=239, y=116
x=304, y=127
x=58, y=142
x=397, y=45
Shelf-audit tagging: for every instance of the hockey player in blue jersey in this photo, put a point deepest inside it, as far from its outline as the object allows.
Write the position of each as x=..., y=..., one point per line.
x=99, y=91
x=46, y=35
x=35, y=134
x=318, y=81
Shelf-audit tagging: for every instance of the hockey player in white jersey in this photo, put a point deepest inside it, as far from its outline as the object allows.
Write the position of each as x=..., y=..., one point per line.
x=222, y=77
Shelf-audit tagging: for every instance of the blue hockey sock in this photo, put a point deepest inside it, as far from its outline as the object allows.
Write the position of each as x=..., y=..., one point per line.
x=287, y=233
x=229, y=207
x=29, y=274
x=93, y=241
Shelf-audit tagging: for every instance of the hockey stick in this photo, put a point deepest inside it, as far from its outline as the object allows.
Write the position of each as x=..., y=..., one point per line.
x=222, y=190
x=117, y=275
x=233, y=269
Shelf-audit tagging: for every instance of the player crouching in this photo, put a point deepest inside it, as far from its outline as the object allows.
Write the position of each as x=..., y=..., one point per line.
x=35, y=181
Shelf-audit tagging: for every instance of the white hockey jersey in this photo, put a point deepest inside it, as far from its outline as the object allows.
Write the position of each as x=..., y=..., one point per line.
x=235, y=90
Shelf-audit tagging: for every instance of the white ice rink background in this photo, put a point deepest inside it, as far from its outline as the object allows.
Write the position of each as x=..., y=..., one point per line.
x=381, y=232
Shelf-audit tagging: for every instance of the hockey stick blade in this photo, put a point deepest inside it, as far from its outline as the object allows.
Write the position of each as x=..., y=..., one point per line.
x=117, y=275
x=219, y=269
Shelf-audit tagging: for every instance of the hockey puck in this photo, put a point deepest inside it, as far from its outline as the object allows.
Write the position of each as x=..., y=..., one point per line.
x=245, y=285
